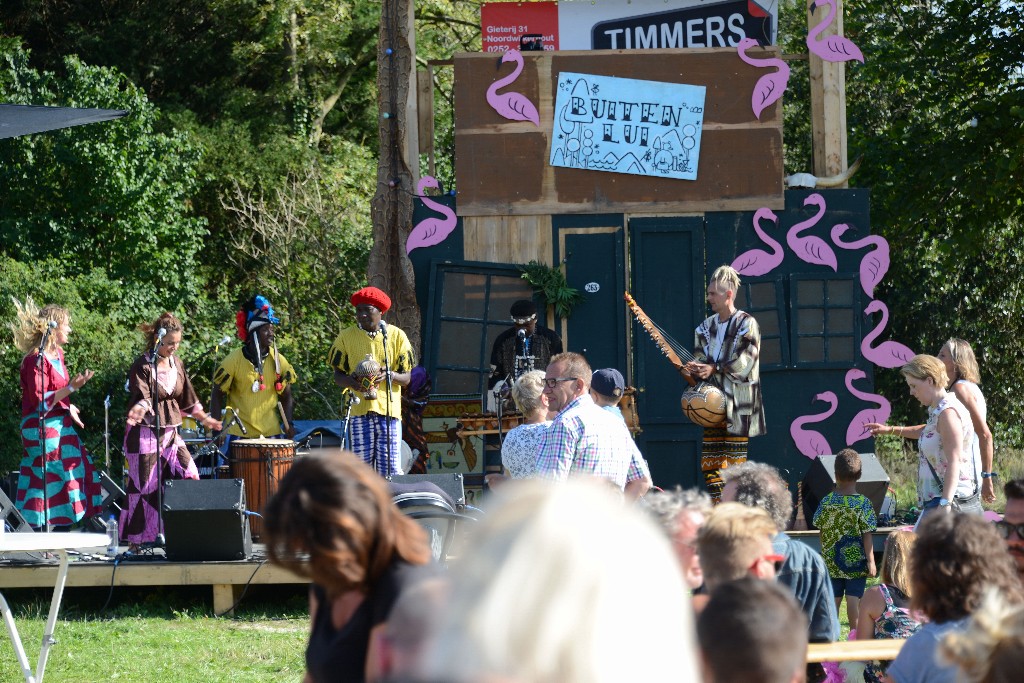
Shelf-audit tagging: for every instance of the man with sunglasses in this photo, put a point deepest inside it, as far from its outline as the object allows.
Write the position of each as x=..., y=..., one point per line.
x=1011, y=527
x=584, y=438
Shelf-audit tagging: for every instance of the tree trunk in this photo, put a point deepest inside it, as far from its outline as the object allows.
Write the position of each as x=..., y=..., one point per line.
x=389, y=267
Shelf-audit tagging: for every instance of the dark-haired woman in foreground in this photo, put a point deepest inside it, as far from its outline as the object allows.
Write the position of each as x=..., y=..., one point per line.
x=333, y=520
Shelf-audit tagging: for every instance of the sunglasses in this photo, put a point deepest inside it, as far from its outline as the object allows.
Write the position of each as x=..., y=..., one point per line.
x=1004, y=529
x=550, y=382
x=775, y=559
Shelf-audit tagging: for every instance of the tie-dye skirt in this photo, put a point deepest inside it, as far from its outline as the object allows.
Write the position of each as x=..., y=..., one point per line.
x=73, y=490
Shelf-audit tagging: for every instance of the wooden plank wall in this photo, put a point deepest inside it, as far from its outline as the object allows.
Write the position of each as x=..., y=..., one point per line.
x=508, y=239
x=501, y=166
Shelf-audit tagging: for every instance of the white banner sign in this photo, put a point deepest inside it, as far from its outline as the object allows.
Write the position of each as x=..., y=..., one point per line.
x=659, y=24
x=625, y=125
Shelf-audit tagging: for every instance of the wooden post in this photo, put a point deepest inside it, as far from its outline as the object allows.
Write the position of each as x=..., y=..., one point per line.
x=389, y=267
x=828, y=99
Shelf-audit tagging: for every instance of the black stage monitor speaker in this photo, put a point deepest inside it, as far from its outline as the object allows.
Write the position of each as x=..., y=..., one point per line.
x=451, y=484
x=11, y=517
x=821, y=480
x=206, y=520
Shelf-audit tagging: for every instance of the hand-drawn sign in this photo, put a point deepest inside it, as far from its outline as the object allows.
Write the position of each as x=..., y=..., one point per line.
x=625, y=125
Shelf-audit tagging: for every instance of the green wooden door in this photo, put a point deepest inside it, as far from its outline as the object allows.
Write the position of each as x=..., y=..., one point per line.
x=593, y=251
x=667, y=277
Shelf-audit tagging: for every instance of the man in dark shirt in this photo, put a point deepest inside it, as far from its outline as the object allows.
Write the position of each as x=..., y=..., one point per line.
x=532, y=345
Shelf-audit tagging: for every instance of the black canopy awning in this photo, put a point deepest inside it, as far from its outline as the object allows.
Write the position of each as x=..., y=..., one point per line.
x=23, y=119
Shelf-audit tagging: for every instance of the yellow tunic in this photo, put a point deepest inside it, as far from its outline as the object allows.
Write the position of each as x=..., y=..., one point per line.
x=353, y=345
x=257, y=410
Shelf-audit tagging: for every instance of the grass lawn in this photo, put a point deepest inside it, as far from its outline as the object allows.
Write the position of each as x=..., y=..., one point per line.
x=157, y=635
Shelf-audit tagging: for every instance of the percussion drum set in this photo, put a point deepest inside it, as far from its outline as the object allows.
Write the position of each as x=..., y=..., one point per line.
x=261, y=463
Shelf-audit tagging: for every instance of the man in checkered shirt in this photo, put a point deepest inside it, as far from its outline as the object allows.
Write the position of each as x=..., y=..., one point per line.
x=584, y=438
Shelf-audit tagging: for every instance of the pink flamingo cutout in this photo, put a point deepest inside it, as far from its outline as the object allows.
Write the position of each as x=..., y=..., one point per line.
x=432, y=230
x=888, y=354
x=880, y=414
x=809, y=442
x=512, y=105
x=812, y=249
x=759, y=261
x=874, y=265
x=831, y=48
x=769, y=87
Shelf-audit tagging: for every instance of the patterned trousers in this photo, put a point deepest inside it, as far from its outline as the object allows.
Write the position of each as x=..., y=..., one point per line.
x=378, y=441
x=719, y=450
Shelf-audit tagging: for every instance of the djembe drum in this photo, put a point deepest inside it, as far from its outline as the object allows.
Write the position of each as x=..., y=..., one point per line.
x=261, y=464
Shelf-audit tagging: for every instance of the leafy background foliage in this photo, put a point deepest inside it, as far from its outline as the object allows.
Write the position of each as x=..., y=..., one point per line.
x=249, y=161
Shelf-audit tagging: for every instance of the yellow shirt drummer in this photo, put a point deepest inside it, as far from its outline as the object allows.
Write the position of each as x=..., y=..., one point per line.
x=255, y=380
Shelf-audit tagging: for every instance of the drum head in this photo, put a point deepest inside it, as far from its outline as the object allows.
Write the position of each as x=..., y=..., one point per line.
x=264, y=442
x=405, y=464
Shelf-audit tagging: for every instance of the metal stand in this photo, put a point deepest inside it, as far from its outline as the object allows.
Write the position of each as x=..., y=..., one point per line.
x=155, y=405
x=387, y=398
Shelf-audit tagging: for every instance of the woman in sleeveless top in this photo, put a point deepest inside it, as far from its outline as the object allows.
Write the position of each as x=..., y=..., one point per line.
x=962, y=368
x=885, y=608
x=945, y=468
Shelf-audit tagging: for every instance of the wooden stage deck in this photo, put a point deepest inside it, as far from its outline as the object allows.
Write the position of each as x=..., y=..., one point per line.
x=227, y=579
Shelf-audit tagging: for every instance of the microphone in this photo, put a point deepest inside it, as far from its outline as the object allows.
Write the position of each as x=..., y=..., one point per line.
x=50, y=327
x=224, y=341
x=235, y=418
x=384, y=328
x=521, y=333
x=160, y=334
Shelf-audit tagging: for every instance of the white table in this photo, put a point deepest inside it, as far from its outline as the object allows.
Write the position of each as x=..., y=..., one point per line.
x=59, y=543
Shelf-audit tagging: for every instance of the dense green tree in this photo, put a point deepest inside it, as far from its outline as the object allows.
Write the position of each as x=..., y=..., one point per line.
x=113, y=195
x=937, y=110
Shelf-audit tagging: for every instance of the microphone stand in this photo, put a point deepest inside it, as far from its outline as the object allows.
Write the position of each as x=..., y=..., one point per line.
x=387, y=400
x=106, y=433
x=42, y=426
x=155, y=400
x=349, y=399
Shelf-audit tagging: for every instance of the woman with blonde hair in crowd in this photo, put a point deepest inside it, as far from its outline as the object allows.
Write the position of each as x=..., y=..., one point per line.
x=991, y=648
x=153, y=447
x=333, y=521
x=945, y=467
x=48, y=418
x=566, y=584
x=519, y=450
x=962, y=368
x=885, y=608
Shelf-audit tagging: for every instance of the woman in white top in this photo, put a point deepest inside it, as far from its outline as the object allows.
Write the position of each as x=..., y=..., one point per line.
x=945, y=469
x=962, y=368
x=519, y=450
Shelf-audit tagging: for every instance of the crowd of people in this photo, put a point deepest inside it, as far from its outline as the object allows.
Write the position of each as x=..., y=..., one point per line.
x=579, y=571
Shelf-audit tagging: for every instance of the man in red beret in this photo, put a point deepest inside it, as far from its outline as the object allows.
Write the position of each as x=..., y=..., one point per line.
x=374, y=360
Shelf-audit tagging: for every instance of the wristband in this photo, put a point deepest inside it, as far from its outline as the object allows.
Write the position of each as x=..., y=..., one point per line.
x=943, y=502
x=989, y=475
x=71, y=390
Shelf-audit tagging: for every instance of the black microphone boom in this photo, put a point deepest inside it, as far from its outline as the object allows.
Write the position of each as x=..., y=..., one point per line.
x=50, y=327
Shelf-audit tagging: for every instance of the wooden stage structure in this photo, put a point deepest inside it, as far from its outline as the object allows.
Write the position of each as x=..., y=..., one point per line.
x=227, y=579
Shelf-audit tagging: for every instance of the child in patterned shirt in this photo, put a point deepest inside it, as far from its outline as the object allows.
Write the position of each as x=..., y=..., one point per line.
x=846, y=519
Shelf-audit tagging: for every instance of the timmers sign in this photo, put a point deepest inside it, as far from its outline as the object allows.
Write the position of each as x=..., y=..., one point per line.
x=628, y=24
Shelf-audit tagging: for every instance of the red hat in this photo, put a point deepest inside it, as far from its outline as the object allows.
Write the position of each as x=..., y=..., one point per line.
x=373, y=297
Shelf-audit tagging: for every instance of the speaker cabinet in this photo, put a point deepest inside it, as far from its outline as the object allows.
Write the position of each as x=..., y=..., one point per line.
x=821, y=480
x=206, y=520
x=11, y=517
x=452, y=483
